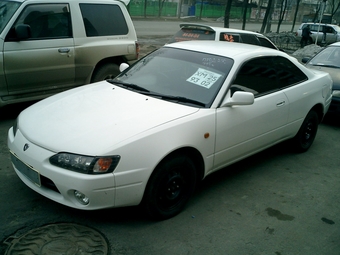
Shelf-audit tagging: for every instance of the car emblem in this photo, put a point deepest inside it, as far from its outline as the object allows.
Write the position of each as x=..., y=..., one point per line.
x=26, y=146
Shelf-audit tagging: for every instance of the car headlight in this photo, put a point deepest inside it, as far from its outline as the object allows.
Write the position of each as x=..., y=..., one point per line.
x=336, y=93
x=15, y=127
x=85, y=164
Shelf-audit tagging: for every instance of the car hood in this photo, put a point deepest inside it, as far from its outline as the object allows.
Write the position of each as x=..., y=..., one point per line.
x=95, y=118
x=333, y=72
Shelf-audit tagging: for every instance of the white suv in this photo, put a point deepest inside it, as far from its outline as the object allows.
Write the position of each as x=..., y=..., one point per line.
x=318, y=31
x=50, y=46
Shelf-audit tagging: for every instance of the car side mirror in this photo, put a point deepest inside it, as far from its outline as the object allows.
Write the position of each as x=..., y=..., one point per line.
x=123, y=66
x=23, y=32
x=305, y=60
x=239, y=98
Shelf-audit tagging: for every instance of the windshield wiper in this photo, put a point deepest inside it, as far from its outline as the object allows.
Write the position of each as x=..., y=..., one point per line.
x=174, y=98
x=325, y=65
x=144, y=91
x=128, y=85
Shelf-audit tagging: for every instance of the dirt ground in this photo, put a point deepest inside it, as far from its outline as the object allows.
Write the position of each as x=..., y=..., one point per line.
x=148, y=44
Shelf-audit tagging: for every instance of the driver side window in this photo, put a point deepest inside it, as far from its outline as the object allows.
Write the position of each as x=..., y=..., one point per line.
x=266, y=75
x=44, y=21
x=257, y=76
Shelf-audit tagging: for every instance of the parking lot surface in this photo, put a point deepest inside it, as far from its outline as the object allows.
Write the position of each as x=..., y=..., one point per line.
x=275, y=202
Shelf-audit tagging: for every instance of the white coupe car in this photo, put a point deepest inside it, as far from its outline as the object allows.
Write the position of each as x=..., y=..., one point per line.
x=193, y=31
x=152, y=133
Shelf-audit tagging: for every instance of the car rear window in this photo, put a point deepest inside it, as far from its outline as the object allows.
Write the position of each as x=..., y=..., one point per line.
x=103, y=20
x=188, y=34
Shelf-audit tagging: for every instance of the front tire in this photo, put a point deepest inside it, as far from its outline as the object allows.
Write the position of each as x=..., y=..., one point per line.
x=104, y=72
x=307, y=132
x=170, y=187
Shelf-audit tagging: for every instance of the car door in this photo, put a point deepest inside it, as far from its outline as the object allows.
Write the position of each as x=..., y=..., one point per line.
x=45, y=59
x=331, y=35
x=243, y=130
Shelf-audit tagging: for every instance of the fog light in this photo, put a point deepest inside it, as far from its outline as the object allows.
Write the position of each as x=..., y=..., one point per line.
x=84, y=200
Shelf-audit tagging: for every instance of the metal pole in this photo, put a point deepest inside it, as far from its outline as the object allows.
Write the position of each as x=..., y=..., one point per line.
x=320, y=18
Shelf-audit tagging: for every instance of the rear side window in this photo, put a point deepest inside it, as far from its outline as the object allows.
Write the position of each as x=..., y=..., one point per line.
x=189, y=34
x=103, y=20
x=249, y=39
x=266, y=43
x=287, y=73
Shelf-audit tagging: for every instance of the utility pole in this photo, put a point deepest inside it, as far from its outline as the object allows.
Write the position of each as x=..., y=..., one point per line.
x=323, y=6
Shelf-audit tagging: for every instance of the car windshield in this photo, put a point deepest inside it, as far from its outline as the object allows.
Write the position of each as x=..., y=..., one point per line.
x=329, y=57
x=7, y=9
x=181, y=76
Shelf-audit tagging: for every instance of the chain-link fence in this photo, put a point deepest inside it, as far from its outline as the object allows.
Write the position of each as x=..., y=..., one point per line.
x=285, y=40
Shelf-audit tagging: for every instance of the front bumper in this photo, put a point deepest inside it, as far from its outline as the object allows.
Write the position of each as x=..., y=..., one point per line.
x=31, y=163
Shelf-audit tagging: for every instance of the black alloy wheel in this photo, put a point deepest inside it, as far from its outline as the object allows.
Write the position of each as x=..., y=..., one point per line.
x=170, y=187
x=307, y=133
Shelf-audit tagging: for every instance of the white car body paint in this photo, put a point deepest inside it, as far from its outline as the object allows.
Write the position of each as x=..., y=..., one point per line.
x=102, y=119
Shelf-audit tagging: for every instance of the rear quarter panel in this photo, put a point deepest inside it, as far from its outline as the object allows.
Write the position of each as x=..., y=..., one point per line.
x=304, y=96
x=89, y=51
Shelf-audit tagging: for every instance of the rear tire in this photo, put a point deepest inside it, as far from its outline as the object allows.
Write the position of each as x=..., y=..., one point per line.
x=104, y=72
x=307, y=132
x=169, y=188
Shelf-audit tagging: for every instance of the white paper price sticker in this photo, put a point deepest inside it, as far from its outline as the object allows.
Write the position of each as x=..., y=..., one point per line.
x=204, y=78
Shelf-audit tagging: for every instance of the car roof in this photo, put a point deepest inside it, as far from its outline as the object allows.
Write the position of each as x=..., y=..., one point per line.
x=126, y=2
x=216, y=29
x=321, y=24
x=232, y=50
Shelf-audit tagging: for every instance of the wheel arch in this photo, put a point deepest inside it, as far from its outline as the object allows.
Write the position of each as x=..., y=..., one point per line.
x=191, y=153
x=319, y=109
x=117, y=60
x=166, y=193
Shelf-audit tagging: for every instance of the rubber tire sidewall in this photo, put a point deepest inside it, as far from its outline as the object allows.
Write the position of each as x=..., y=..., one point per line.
x=300, y=144
x=155, y=185
x=106, y=71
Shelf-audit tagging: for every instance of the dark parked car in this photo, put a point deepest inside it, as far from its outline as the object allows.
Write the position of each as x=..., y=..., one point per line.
x=328, y=60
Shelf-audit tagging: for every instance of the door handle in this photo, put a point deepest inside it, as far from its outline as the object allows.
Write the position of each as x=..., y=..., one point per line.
x=281, y=103
x=64, y=50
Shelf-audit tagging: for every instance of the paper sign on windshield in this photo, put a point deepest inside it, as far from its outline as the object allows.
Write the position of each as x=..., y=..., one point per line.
x=204, y=78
